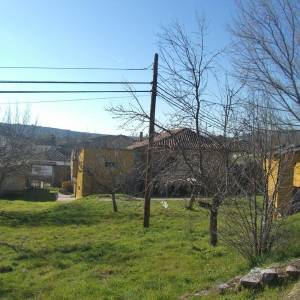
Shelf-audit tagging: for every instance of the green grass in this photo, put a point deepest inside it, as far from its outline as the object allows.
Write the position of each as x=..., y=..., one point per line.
x=82, y=250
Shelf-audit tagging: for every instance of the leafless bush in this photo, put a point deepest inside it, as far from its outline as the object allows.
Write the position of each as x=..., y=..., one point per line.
x=16, y=144
x=249, y=222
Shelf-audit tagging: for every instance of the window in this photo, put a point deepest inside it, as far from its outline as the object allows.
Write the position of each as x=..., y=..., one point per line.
x=110, y=164
x=40, y=170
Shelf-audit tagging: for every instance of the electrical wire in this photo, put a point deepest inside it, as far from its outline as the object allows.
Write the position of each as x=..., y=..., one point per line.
x=77, y=68
x=207, y=118
x=266, y=107
x=64, y=92
x=70, y=100
x=70, y=82
x=172, y=102
x=202, y=100
x=167, y=92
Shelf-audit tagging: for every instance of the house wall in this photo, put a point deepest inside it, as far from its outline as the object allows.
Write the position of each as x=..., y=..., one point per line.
x=171, y=173
x=284, y=177
x=272, y=173
x=285, y=188
x=296, y=181
x=13, y=184
x=42, y=170
x=79, y=187
x=100, y=169
x=53, y=173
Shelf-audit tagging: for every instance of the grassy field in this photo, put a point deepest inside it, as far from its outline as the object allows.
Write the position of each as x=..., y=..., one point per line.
x=82, y=250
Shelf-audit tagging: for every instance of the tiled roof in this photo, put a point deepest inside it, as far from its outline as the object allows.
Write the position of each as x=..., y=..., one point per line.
x=180, y=138
x=109, y=141
x=48, y=153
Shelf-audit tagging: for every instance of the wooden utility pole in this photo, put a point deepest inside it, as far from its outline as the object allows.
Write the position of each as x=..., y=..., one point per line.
x=148, y=181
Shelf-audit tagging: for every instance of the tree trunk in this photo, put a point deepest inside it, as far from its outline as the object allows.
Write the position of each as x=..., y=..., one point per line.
x=193, y=199
x=191, y=202
x=213, y=224
x=114, y=202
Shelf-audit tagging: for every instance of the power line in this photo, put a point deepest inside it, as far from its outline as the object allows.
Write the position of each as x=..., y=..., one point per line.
x=77, y=68
x=64, y=92
x=172, y=102
x=233, y=104
x=266, y=107
x=202, y=100
x=210, y=120
x=168, y=93
x=71, y=82
x=69, y=100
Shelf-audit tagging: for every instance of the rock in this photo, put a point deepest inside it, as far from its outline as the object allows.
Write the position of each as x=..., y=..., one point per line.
x=292, y=271
x=223, y=288
x=269, y=276
x=255, y=279
x=282, y=274
x=186, y=297
x=252, y=280
x=197, y=294
x=282, y=277
x=296, y=263
x=201, y=293
x=235, y=283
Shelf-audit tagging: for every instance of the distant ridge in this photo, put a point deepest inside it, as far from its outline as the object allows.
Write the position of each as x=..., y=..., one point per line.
x=66, y=139
x=43, y=131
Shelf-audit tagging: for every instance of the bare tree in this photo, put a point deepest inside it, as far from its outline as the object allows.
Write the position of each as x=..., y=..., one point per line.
x=248, y=216
x=267, y=59
x=220, y=168
x=16, y=146
x=267, y=53
x=187, y=68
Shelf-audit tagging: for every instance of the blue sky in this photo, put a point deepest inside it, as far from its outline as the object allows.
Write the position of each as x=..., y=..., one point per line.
x=74, y=33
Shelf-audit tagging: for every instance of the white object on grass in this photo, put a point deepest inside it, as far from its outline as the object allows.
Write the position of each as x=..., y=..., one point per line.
x=164, y=204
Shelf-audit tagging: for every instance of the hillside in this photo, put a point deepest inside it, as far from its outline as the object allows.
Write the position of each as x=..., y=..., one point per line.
x=42, y=132
x=66, y=139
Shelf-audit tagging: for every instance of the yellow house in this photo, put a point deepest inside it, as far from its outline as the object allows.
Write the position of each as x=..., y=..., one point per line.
x=101, y=170
x=283, y=173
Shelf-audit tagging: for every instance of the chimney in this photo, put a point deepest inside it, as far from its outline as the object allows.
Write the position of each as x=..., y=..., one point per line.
x=141, y=136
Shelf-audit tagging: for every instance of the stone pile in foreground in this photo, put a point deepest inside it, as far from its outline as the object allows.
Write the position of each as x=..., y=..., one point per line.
x=257, y=278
